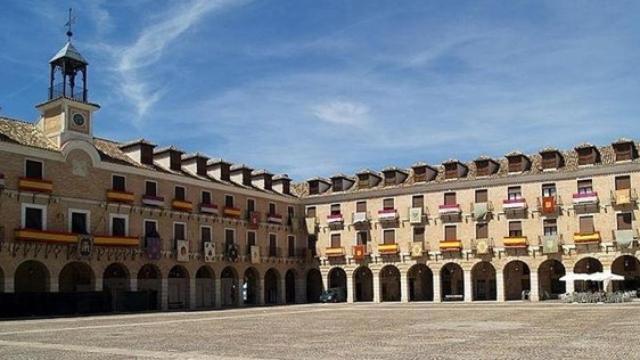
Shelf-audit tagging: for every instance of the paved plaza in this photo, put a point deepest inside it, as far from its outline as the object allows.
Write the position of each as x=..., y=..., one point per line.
x=338, y=331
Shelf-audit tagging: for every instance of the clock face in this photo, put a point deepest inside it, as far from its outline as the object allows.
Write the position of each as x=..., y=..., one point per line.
x=78, y=119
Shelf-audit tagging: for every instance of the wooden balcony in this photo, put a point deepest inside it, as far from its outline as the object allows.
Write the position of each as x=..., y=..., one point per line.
x=36, y=185
x=120, y=196
x=46, y=236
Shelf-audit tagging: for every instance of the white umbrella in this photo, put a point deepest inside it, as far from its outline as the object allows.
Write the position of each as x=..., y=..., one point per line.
x=574, y=277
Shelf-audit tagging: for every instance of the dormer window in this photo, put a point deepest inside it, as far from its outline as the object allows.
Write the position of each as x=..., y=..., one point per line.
x=389, y=178
x=314, y=188
x=482, y=168
x=551, y=159
x=337, y=184
x=454, y=169
x=420, y=174
x=624, y=150
x=517, y=163
x=363, y=181
x=587, y=155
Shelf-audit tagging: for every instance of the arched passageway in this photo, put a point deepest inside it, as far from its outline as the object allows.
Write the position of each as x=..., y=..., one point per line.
x=178, y=281
x=271, y=282
x=76, y=277
x=1, y=280
x=150, y=280
x=31, y=276
x=587, y=265
x=629, y=267
x=250, y=286
x=549, y=274
x=517, y=280
x=483, y=280
x=338, y=282
x=390, y=283
x=229, y=286
x=314, y=285
x=290, y=287
x=420, y=282
x=452, y=282
x=205, y=293
x=363, y=282
x=116, y=282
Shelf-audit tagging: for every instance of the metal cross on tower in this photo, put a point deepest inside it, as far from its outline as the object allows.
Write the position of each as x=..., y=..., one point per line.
x=71, y=21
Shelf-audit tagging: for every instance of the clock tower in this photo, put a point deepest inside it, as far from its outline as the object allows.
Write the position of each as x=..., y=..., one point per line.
x=67, y=113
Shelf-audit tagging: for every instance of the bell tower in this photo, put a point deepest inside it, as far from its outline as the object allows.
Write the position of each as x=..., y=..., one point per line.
x=67, y=113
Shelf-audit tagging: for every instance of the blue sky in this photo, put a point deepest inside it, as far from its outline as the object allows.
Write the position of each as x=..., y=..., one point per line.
x=318, y=87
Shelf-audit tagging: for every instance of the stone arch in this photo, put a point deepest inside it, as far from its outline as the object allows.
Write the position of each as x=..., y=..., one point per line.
x=116, y=277
x=587, y=265
x=549, y=274
x=205, y=293
x=229, y=286
x=271, y=286
x=517, y=280
x=150, y=281
x=80, y=145
x=420, y=282
x=390, y=283
x=250, y=286
x=629, y=267
x=290, y=286
x=76, y=277
x=363, y=283
x=178, y=287
x=338, y=281
x=452, y=282
x=314, y=285
x=31, y=276
x=483, y=281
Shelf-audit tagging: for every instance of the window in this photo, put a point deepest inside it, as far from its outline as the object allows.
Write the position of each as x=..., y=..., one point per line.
x=337, y=185
x=420, y=174
x=450, y=199
x=150, y=188
x=179, y=193
x=623, y=221
x=363, y=181
x=482, y=230
x=586, y=225
x=273, y=245
x=550, y=160
x=251, y=205
x=150, y=228
x=361, y=206
x=624, y=151
x=418, y=234
x=314, y=188
x=291, y=212
x=417, y=201
x=515, y=228
x=79, y=221
x=335, y=209
x=228, y=201
x=34, y=217
x=550, y=227
x=362, y=238
x=206, y=198
x=229, y=236
x=450, y=233
x=179, y=231
x=388, y=204
x=291, y=245
x=548, y=189
x=390, y=178
x=585, y=187
x=389, y=236
x=251, y=241
x=482, y=196
x=205, y=233
x=482, y=168
x=516, y=164
x=311, y=212
x=514, y=193
x=623, y=182
x=586, y=156
x=335, y=240
x=118, y=183
x=272, y=209
x=119, y=225
x=451, y=171
x=33, y=169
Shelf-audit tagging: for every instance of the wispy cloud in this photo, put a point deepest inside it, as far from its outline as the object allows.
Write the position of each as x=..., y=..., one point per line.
x=342, y=113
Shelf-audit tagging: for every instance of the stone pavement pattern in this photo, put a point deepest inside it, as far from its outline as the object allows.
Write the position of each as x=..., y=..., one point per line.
x=338, y=331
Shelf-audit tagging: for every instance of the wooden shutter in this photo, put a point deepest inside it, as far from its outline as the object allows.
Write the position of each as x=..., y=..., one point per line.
x=450, y=199
x=450, y=233
x=420, y=174
x=417, y=201
x=482, y=168
x=515, y=226
x=335, y=240
x=451, y=171
x=482, y=230
x=311, y=211
x=388, y=204
x=624, y=221
x=363, y=181
x=314, y=188
x=585, y=186
x=361, y=206
x=623, y=182
x=586, y=225
x=389, y=237
x=482, y=196
x=418, y=234
x=623, y=151
x=515, y=163
x=550, y=160
x=586, y=156
x=337, y=185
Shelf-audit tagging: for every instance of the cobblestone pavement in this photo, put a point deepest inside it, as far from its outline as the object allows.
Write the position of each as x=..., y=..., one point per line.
x=339, y=331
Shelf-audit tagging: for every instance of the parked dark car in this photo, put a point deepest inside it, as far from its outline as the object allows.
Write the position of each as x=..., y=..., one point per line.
x=333, y=295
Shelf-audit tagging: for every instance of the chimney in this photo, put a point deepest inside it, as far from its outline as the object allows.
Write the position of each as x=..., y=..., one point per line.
x=241, y=174
x=169, y=158
x=140, y=151
x=219, y=169
x=282, y=184
x=261, y=179
x=195, y=163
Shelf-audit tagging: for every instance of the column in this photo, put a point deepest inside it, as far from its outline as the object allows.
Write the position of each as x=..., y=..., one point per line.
x=238, y=291
x=54, y=285
x=99, y=284
x=468, y=289
x=376, y=286
x=350, y=290
x=164, y=294
x=260, y=290
x=192, y=293
x=437, y=294
x=499, y=286
x=325, y=279
x=9, y=284
x=404, y=287
x=217, y=292
x=133, y=284
x=282, y=290
x=301, y=290
x=570, y=285
x=533, y=279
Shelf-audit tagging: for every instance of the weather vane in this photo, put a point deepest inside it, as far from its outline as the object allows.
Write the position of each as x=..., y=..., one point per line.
x=71, y=21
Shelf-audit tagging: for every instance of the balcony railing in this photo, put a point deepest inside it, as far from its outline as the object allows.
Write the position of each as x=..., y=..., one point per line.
x=448, y=209
x=334, y=251
x=209, y=209
x=387, y=215
x=518, y=203
x=231, y=212
x=274, y=219
x=36, y=185
x=120, y=196
x=76, y=93
x=623, y=197
x=335, y=219
x=549, y=205
x=182, y=205
x=360, y=218
x=586, y=238
x=450, y=245
x=151, y=200
x=71, y=238
x=585, y=198
x=515, y=242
